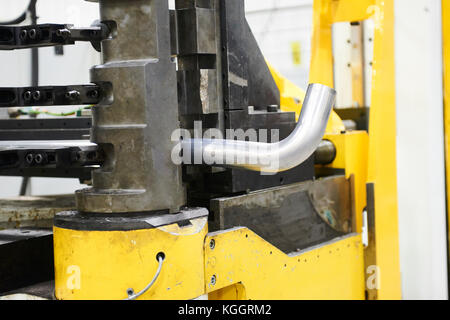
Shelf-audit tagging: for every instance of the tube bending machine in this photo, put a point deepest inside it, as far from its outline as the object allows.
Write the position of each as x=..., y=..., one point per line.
x=214, y=222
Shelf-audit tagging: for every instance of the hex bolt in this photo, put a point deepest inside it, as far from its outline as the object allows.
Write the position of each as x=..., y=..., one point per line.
x=212, y=244
x=27, y=96
x=23, y=34
x=33, y=34
x=29, y=158
x=73, y=95
x=213, y=280
x=37, y=95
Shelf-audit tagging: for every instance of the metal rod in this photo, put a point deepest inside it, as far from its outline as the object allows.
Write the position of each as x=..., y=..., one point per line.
x=270, y=157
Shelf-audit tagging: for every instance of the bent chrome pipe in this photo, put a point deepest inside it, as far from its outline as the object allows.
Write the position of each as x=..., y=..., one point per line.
x=270, y=157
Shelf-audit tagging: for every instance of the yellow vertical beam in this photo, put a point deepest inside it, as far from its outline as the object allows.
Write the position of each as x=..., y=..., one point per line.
x=382, y=170
x=357, y=65
x=327, y=12
x=382, y=153
x=321, y=70
x=446, y=43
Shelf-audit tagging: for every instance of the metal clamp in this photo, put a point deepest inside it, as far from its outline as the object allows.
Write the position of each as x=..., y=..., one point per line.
x=44, y=35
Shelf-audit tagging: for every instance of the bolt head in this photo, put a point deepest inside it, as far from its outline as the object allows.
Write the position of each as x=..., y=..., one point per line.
x=272, y=108
x=23, y=34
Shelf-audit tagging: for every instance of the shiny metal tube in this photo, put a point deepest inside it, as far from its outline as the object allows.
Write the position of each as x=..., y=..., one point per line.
x=270, y=157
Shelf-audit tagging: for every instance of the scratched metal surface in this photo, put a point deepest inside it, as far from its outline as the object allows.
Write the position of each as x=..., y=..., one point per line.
x=292, y=217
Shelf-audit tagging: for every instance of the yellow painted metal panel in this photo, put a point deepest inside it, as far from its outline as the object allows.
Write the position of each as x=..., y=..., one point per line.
x=382, y=139
x=332, y=271
x=382, y=152
x=292, y=97
x=446, y=43
x=321, y=70
x=103, y=265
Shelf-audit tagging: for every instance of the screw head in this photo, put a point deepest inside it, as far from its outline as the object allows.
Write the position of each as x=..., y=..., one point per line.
x=212, y=244
x=37, y=95
x=64, y=33
x=213, y=280
x=32, y=34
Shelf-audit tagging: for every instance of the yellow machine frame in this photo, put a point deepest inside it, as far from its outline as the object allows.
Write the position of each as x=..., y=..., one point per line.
x=382, y=142
x=446, y=55
x=238, y=264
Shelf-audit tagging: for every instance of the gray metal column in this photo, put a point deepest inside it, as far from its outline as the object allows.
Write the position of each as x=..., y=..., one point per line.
x=135, y=130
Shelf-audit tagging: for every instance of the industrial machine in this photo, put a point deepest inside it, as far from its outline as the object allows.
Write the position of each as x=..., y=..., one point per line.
x=208, y=177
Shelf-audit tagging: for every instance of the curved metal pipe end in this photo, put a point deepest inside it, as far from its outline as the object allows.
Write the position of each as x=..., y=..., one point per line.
x=270, y=157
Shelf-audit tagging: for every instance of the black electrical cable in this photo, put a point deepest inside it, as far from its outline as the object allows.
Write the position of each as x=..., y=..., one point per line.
x=22, y=17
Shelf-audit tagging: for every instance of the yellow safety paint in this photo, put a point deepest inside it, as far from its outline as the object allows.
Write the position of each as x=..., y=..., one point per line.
x=91, y=265
x=327, y=12
x=244, y=266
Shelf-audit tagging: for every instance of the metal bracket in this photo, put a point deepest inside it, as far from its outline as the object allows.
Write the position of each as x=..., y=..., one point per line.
x=50, y=158
x=51, y=96
x=44, y=35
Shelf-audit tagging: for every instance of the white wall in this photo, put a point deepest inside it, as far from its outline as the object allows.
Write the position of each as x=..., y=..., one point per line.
x=71, y=68
x=276, y=25
x=420, y=147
